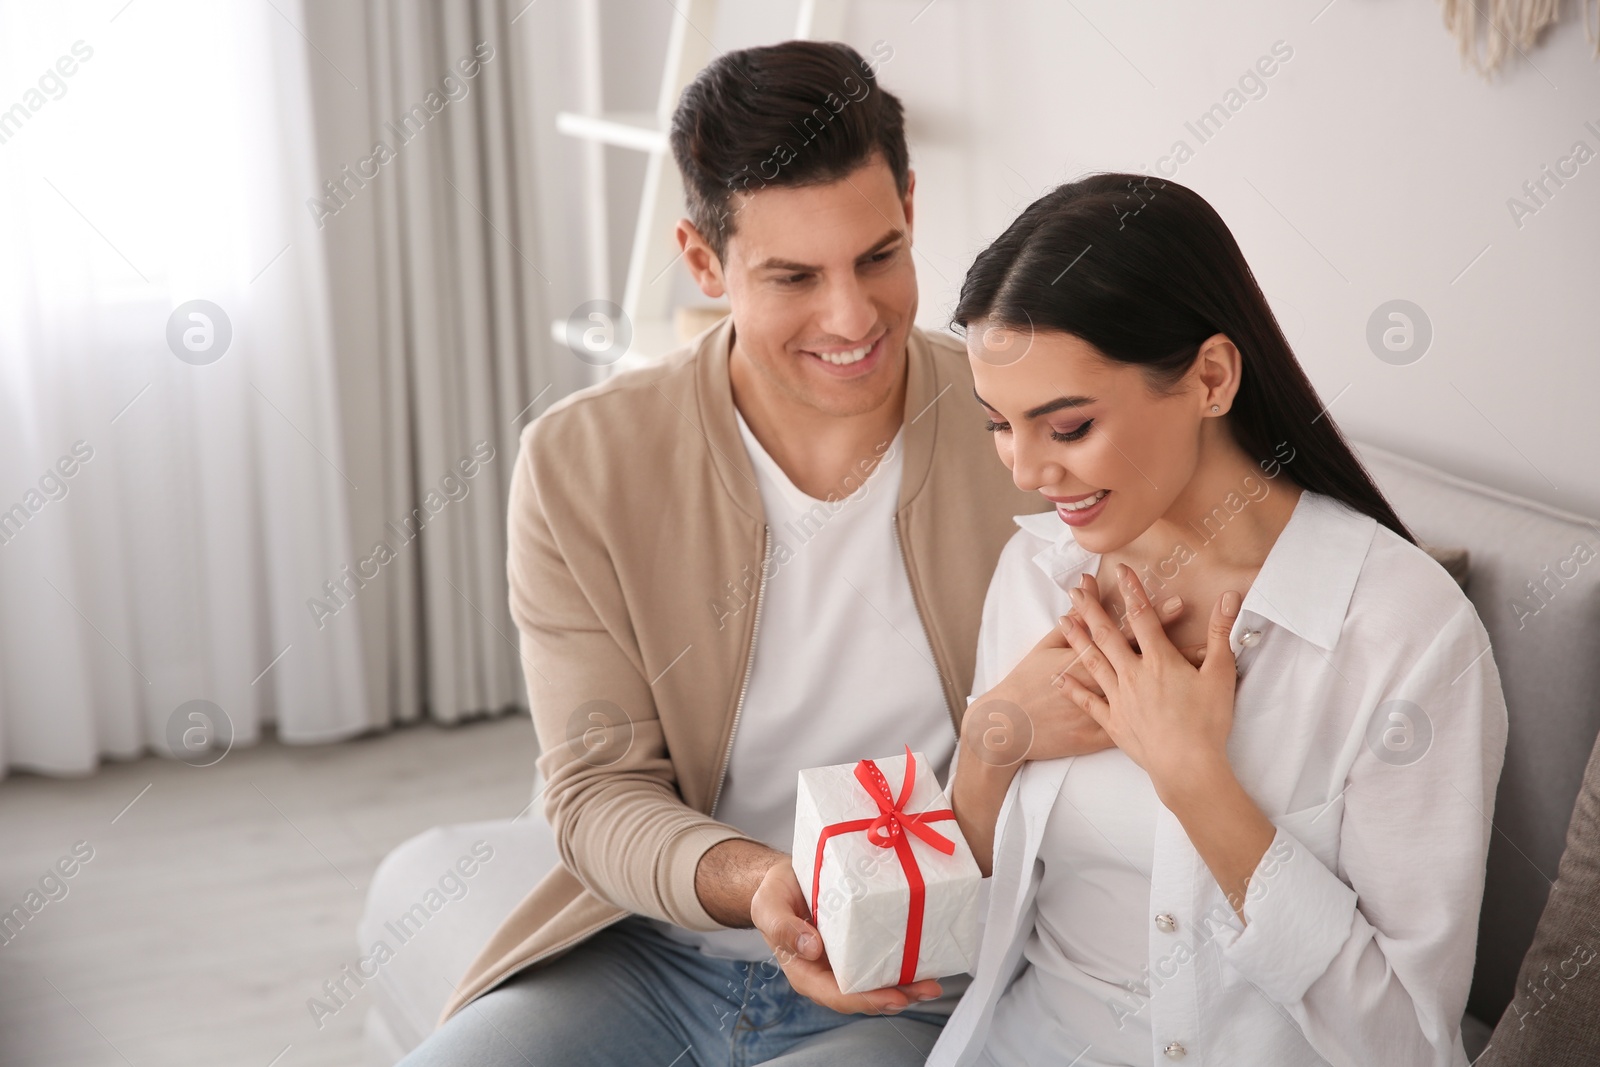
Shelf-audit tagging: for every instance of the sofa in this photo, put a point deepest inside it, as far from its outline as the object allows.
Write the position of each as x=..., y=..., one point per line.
x=1538, y=596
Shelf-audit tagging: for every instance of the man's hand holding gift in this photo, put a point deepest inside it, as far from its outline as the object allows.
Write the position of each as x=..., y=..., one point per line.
x=779, y=911
x=881, y=896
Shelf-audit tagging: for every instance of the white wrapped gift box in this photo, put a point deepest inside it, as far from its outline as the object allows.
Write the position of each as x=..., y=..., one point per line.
x=874, y=848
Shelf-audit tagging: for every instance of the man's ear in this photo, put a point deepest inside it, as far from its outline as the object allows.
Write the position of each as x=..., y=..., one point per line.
x=906, y=201
x=702, y=262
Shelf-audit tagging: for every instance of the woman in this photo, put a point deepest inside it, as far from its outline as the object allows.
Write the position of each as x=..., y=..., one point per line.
x=1275, y=858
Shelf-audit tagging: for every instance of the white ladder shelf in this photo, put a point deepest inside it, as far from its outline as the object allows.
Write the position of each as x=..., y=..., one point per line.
x=647, y=294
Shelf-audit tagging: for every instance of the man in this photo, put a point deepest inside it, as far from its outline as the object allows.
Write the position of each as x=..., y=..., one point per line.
x=767, y=553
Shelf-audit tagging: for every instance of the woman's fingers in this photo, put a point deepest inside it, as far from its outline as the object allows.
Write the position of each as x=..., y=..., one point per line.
x=1169, y=609
x=1091, y=657
x=1073, y=664
x=1195, y=654
x=1101, y=630
x=1089, y=701
x=1219, y=652
x=1142, y=615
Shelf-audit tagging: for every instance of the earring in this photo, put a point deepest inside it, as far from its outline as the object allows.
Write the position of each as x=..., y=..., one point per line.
x=1215, y=408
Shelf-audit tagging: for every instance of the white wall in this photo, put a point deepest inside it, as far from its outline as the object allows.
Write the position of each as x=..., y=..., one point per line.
x=1373, y=168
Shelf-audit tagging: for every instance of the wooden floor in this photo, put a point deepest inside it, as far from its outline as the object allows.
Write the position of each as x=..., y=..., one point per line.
x=219, y=899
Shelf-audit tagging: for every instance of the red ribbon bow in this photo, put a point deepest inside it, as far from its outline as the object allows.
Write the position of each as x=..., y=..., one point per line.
x=891, y=829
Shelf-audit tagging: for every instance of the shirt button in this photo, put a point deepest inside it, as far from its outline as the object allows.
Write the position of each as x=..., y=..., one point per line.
x=1249, y=638
x=1175, y=1051
x=1166, y=923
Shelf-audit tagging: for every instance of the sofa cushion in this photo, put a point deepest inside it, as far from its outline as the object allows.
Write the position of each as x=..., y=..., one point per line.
x=411, y=986
x=1536, y=584
x=1453, y=560
x=1554, y=1019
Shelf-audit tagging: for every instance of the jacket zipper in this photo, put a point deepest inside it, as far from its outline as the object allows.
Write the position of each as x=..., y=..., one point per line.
x=749, y=664
x=944, y=684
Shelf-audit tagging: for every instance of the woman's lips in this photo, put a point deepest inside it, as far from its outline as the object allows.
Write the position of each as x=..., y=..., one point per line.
x=1081, y=516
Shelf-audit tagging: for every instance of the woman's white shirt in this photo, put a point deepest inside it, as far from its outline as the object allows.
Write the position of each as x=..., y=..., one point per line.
x=1369, y=727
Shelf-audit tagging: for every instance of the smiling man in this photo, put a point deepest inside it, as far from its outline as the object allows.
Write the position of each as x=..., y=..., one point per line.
x=766, y=553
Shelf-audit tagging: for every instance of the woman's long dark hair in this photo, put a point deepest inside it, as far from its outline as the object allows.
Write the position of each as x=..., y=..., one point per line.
x=1145, y=270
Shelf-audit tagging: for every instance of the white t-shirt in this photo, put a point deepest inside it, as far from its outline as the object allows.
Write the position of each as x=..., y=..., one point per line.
x=842, y=669
x=1088, y=947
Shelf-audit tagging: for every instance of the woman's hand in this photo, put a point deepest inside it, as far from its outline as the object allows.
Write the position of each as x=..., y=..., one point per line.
x=1171, y=718
x=1030, y=715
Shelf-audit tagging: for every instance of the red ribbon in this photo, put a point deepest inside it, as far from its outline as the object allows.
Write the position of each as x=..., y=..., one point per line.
x=891, y=829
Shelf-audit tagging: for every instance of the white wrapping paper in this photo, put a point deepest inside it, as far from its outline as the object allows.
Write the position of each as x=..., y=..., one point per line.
x=865, y=896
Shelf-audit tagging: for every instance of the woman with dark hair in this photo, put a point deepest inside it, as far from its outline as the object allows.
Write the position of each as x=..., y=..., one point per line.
x=1275, y=857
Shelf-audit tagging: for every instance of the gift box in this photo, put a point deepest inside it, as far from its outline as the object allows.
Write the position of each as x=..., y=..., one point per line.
x=890, y=882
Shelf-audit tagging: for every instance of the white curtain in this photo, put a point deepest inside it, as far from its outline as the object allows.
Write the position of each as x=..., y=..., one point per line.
x=445, y=309
x=151, y=154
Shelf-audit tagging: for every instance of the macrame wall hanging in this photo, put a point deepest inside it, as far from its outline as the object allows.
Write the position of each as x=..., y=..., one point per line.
x=1508, y=25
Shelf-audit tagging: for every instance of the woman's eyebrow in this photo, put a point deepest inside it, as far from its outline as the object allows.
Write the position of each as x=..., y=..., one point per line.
x=1045, y=409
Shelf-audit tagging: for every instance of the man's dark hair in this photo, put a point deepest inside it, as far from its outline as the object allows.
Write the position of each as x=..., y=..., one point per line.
x=791, y=114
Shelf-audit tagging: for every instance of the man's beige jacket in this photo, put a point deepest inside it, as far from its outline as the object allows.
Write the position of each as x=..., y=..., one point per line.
x=637, y=553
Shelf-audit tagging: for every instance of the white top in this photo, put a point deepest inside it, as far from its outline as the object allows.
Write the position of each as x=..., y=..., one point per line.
x=1370, y=727
x=841, y=670
x=1089, y=942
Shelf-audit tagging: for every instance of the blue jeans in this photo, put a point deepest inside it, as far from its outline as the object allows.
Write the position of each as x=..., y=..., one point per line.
x=631, y=997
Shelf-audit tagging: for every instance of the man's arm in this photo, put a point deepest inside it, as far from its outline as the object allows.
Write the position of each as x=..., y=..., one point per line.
x=611, y=797
x=728, y=876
